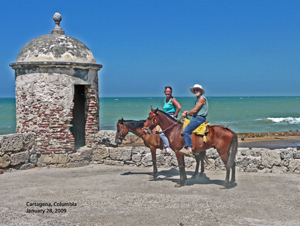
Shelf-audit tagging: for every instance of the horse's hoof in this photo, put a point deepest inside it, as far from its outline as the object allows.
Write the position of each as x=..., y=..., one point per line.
x=152, y=177
x=179, y=184
x=226, y=185
x=193, y=176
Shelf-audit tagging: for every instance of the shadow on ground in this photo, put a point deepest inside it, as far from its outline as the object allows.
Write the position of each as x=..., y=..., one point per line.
x=169, y=174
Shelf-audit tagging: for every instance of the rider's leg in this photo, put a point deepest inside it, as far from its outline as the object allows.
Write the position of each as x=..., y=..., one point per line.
x=166, y=142
x=195, y=122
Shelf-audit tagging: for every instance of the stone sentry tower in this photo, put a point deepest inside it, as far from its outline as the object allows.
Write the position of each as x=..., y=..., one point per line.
x=57, y=92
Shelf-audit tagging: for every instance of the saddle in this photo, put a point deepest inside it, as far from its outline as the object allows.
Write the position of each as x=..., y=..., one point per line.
x=201, y=130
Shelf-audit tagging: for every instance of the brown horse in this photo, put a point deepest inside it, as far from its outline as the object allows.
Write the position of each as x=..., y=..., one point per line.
x=219, y=137
x=152, y=141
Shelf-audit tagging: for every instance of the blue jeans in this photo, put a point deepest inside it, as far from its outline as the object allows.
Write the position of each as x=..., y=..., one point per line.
x=195, y=122
x=163, y=136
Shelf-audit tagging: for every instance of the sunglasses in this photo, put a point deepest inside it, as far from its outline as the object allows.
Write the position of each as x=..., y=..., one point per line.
x=196, y=90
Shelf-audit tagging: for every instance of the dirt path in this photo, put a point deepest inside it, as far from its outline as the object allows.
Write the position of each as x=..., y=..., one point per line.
x=110, y=195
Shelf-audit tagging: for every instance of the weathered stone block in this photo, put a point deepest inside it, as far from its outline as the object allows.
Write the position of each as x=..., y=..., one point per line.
x=106, y=137
x=141, y=150
x=147, y=160
x=4, y=161
x=295, y=166
x=296, y=155
x=33, y=158
x=286, y=154
x=160, y=160
x=59, y=159
x=28, y=140
x=174, y=162
x=121, y=153
x=86, y=153
x=212, y=153
x=44, y=159
x=11, y=142
x=22, y=157
x=111, y=162
x=219, y=164
x=189, y=161
x=75, y=157
x=27, y=166
x=210, y=165
x=245, y=161
x=251, y=168
x=279, y=169
x=270, y=158
x=136, y=157
x=100, y=154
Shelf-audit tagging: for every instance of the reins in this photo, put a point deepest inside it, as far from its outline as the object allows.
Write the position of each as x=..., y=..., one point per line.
x=153, y=120
x=138, y=136
x=170, y=127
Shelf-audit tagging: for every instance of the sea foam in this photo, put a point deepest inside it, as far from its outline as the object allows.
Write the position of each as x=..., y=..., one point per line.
x=288, y=120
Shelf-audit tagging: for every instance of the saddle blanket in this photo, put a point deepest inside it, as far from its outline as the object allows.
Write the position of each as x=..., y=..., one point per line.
x=200, y=130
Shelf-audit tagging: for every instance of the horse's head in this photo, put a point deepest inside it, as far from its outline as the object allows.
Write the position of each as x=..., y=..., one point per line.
x=151, y=121
x=122, y=131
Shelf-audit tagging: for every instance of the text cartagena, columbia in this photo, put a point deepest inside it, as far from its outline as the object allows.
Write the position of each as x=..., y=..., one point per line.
x=47, y=206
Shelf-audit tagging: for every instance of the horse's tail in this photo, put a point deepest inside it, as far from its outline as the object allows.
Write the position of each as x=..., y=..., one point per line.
x=232, y=150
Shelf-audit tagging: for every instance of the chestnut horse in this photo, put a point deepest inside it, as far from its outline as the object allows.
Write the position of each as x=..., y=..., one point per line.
x=219, y=137
x=152, y=141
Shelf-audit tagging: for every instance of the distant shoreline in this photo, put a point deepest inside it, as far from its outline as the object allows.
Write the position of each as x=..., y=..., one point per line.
x=271, y=140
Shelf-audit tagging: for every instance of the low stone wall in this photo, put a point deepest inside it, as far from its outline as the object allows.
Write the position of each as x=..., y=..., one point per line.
x=247, y=160
x=18, y=151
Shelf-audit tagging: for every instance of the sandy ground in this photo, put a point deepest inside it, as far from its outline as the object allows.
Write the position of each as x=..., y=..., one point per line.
x=111, y=195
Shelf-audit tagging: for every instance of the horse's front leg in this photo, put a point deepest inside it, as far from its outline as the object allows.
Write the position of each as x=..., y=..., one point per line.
x=181, y=166
x=153, y=153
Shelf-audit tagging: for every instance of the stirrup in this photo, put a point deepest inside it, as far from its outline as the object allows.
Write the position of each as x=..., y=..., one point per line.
x=186, y=152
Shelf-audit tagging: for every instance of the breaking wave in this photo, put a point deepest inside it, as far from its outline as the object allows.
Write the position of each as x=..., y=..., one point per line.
x=286, y=120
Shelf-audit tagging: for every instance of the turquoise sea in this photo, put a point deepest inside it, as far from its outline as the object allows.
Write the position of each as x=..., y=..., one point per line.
x=241, y=114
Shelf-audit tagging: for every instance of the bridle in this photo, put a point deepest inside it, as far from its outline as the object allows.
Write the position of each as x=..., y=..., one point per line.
x=121, y=135
x=153, y=121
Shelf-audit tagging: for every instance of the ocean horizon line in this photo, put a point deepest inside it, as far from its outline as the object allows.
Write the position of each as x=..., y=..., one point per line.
x=181, y=96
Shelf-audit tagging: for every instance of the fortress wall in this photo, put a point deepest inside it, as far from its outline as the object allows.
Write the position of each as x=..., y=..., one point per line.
x=19, y=151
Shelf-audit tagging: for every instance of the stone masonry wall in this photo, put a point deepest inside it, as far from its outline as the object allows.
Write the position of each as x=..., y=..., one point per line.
x=247, y=159
x=92, y=112
x=44, y=106
x=18, y=151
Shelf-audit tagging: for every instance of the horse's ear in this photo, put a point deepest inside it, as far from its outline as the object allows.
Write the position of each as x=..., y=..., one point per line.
x=152, y=109
x=155, y=110
x=122, y=120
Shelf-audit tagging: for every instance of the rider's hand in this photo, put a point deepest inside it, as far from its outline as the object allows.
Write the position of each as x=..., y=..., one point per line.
x=184, y=114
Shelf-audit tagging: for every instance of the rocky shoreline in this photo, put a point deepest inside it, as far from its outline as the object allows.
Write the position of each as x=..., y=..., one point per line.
x=133, y=140
x=268, y=134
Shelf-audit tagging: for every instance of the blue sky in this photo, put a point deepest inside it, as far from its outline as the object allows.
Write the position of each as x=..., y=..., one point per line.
x=231, y=48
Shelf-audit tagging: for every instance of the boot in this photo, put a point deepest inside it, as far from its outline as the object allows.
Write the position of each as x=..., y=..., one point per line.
x=187, y=151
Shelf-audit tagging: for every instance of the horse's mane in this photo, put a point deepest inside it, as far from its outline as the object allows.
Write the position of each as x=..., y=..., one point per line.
x=134, y=124
x=170, y=117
